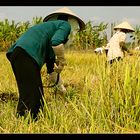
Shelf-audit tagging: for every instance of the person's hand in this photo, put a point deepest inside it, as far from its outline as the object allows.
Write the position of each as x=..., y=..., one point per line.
x=53, y=77
x=58, y=68
x=61, y=90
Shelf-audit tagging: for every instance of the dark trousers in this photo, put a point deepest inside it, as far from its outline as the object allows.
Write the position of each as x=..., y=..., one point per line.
x=28, y=77
x=115, y=60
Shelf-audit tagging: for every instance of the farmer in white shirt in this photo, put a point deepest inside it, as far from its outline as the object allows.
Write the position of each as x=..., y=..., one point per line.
x=98, y=50
x=116, y=45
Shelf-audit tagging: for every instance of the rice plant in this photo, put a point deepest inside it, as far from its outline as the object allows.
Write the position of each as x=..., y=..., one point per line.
x=99, y=99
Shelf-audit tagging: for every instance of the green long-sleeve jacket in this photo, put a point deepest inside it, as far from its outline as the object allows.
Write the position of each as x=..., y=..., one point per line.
x=37, y=40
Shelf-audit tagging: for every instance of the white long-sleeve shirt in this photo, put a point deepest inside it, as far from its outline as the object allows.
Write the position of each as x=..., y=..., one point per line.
x=114, y=49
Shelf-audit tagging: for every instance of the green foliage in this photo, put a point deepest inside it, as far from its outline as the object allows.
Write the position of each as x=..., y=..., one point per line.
x=37, y=20
x=92, y=37
x=10, y=31
x=136, y=36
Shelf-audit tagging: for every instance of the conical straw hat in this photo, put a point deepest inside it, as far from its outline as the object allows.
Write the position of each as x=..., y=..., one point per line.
x=66, y=11
x=124, y=25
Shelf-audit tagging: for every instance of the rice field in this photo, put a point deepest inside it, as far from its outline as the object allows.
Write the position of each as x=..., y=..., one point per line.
x=99, y=98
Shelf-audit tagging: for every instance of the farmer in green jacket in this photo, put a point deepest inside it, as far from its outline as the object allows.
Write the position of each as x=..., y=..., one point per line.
x=41, y=44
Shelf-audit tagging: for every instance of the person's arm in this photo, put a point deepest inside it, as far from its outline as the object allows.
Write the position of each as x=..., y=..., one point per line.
x=50, y=63
x=60, y=57
x=124, y=48
x=57, y=43
x=122, y=38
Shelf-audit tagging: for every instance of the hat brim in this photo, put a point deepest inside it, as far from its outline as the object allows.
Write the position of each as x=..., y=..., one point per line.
x=129, y=30
x=124, y=25
x=81, y=23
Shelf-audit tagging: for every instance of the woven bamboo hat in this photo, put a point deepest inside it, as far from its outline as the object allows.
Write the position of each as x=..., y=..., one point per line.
x=65, y=11
x=124, y=25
